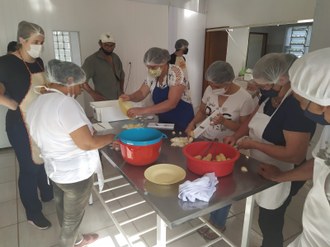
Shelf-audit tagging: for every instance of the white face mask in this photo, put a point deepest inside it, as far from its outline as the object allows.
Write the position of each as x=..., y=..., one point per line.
x=35, y=50
x=155, y=72
x=219, y=91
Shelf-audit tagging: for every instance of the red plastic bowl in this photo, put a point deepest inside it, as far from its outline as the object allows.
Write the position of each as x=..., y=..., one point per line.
x=140, y=155
x=200, y=167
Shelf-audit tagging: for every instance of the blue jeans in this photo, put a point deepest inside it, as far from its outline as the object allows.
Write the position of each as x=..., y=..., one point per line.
x=219, y=216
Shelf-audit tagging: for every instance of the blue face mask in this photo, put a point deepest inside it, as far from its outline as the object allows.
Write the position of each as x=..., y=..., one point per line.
x=317, y=118
x=269, y=93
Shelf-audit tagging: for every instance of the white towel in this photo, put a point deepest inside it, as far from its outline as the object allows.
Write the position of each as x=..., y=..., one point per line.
x=201, y=188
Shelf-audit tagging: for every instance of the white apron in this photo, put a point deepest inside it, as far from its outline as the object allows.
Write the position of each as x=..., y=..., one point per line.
x=66, y=165
x=70, y=162
x=316, y=214
x=275, y=196
x=36, y=79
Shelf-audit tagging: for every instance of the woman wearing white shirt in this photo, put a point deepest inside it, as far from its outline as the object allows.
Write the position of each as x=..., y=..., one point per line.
x=64, y=134
x=232, y=104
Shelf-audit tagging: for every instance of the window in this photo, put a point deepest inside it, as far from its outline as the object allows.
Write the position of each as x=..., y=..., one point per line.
x=298, y=40
x=66, y=46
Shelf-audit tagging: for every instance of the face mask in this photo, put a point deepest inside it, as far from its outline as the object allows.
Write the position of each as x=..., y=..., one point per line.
x=155, y=72
x=108, y=53
x=35, y=51
x=219, y=91
x=316, y=117
x=185, y=51
x=269, y=93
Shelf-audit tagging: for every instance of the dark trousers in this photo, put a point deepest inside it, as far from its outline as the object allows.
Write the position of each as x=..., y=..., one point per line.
x=31, y=176
x=271, y=221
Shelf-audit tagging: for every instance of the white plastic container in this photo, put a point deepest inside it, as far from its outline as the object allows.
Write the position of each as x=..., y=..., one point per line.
x=107, y=111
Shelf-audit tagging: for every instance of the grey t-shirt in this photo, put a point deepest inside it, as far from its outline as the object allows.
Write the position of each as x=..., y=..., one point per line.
x=106, y=77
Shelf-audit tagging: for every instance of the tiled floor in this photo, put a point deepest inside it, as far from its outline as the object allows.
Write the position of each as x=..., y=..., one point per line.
x=16, y=232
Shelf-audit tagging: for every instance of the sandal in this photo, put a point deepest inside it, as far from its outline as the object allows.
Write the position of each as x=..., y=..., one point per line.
x=203, y=230
x=211, y=235
x=87, y=239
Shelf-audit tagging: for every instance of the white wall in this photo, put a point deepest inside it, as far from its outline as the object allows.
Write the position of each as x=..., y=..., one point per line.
x=241, y=14
x=190, y=25
x=320, y=33
x=136, y=26
x=237, y=48
x=257, y=12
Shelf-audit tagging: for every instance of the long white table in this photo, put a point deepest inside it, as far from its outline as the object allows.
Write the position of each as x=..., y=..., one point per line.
x=170, y=210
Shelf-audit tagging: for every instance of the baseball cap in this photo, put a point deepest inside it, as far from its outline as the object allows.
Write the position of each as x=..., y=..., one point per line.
x=107, y=37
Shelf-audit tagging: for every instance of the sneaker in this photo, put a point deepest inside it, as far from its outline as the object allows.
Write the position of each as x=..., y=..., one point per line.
x=87, y=239
x=40, y=222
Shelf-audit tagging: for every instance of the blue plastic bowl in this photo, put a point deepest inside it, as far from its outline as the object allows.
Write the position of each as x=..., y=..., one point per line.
x=140, y=136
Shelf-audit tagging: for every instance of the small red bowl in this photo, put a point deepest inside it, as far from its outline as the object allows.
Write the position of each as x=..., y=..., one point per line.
x=140, y=155
x=200, y=167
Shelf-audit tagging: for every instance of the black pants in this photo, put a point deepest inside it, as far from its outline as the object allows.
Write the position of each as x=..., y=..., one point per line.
x=31, y=176
x=271, y=221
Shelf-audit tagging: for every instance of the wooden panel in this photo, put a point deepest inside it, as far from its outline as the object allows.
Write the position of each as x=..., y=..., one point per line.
x=215, y=49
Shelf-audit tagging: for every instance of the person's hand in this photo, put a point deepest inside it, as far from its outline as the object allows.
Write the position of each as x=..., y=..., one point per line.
x=98, y=97
x=125, y=97
x=246, y=143
x=115, y=145
x=135, y=112
x=230, y=140
x=218, y=119
x=270, y=172
x=189, y=129
x=10, y=103
x=86, y=87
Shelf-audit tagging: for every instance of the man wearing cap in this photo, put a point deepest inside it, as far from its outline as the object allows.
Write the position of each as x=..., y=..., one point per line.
x=104, y=67
x=310, y=81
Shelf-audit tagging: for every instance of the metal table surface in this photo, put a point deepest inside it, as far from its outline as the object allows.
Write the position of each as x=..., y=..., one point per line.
x=164, y=198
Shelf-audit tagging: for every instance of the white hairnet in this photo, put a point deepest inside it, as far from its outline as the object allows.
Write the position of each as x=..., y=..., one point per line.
x=272, y=66
x=59, y=72
x=310, y=76
x=180, y=44
x=156, y=56
x=26, y=29
x=219, y=72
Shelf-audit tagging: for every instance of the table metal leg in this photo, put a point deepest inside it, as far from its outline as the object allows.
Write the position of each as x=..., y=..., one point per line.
x=161, y=232
x=249, y=205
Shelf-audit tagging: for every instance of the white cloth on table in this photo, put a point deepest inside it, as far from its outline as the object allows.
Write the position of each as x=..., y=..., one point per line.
x=201, y=188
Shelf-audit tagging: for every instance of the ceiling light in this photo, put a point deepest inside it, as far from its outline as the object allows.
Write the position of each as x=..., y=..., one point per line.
x=305, y=21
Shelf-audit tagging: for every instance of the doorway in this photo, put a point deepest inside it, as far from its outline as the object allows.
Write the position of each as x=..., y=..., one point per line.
x=256, y=48
x=215, y=49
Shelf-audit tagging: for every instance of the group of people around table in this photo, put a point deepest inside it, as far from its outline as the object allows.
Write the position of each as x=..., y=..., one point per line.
x=56, y=146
